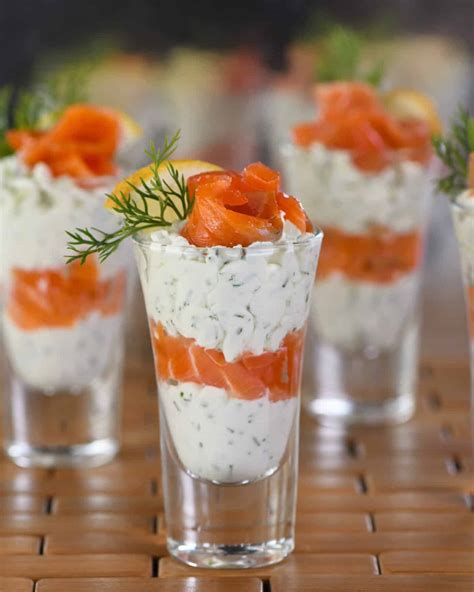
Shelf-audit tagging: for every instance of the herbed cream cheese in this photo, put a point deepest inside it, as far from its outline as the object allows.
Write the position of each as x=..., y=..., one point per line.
x=336, y=193
x=224, y=439
x=64, y=359
x=354, y=315
x=237, y=300
x=37, y=209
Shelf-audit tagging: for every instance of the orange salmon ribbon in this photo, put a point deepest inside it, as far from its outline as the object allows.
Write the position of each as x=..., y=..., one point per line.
x=381, y=257
x=239, y=209
x=250, y=377
x=51, y=298
x=81, y=145
x=353, y=118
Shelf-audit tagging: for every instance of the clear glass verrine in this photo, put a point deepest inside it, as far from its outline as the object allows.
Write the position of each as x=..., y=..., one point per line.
x=227, y=329
x=362, y=345
x=62, y=324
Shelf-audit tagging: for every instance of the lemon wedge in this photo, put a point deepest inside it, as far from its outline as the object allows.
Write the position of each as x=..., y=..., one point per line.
x=130, y=129
x=411, y=104
x=187, y=168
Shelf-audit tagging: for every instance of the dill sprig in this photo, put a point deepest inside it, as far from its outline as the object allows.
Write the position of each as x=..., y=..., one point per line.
x=341, y=58
x=454, y=150
x=134, y=207
x=41, y=106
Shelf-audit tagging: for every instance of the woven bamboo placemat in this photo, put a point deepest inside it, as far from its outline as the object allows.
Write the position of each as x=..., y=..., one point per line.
x=379, y=509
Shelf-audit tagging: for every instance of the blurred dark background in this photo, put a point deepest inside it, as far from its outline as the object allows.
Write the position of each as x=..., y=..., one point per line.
x=31, y=28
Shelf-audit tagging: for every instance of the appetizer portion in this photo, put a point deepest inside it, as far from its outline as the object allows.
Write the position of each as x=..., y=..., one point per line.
x=61, y=324
x=227, y=264
x=360, y=171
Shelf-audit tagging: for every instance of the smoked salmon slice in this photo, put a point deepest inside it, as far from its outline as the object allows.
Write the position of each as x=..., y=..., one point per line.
x=81, y=145
x=352, y=117
x=48, y=298
x=294, y=212
x=250, y=377
x=221, y=215
x=233, y=209
x=258, y=177
x=381, y=256
x=334, y=98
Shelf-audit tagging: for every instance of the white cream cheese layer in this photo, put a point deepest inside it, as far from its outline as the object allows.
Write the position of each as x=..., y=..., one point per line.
x=67, y=359
x=336, y=193
x=235, y=300
x=225, y=439
x=355, y=315
x=463, y=218
x=37, y=209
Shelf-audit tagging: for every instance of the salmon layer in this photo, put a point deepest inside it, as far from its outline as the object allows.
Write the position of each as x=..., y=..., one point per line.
x=352, y=117
x=250, y=377
x=52, y=298
x=380, y=257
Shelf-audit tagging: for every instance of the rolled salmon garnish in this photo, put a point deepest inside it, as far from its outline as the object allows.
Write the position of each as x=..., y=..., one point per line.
x=82, y=144
x=375, y=129
x=239, y=209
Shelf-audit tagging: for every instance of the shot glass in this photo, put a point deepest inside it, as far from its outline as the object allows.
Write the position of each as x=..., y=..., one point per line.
x=62, y=325
x=463, y=217
x=362, y=346
x=227, y=328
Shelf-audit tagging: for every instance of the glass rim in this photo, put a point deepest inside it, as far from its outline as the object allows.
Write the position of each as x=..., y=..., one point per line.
x=308, y=239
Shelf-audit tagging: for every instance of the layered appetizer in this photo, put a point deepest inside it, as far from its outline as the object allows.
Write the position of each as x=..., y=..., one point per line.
x=227, y=263
x=360, y=169
x=61, y=324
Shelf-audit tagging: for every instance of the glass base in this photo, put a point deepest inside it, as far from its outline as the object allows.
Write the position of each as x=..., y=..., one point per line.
x=93, y=454
x=231, y=556
x=334, y=412
x=362, y=386
x=78, y=428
